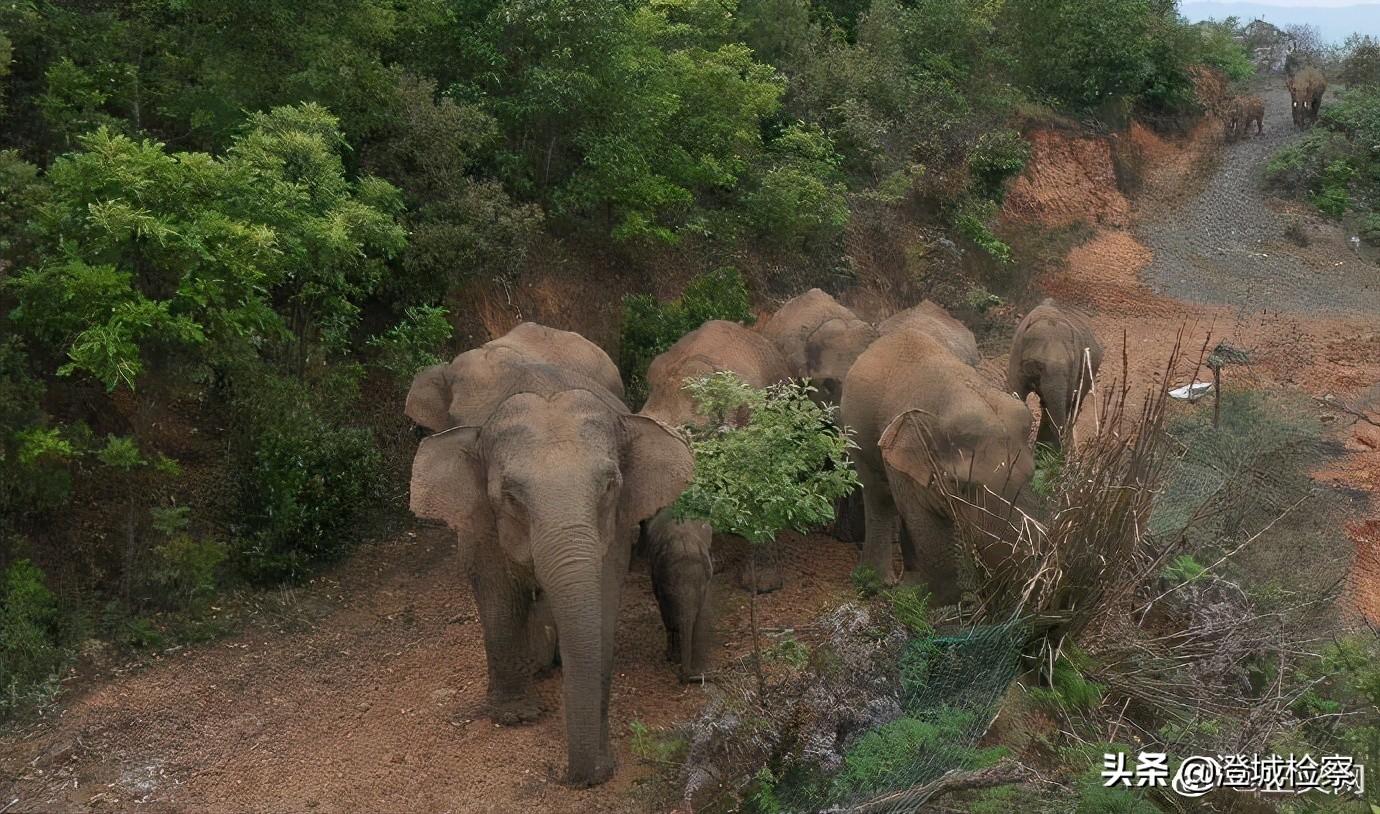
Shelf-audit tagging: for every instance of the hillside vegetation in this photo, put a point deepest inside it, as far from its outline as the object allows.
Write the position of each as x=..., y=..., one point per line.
x=230, y=233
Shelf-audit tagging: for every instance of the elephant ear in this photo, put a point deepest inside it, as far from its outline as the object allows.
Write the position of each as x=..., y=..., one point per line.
x=428, y=400
x=905, y=446
x=448, y=480
x=657, y=466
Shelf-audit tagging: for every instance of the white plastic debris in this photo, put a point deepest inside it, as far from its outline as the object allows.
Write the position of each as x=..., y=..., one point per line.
x=1191, y=392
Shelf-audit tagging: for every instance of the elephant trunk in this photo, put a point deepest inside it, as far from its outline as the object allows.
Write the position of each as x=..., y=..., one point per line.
x=1056, y=400
x=569, y=566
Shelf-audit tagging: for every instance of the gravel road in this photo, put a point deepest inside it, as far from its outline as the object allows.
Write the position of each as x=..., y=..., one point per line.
x=1226, y=246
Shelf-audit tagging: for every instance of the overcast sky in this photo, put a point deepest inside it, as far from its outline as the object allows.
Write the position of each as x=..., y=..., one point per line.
x=1309, y=3
x=1334, y=19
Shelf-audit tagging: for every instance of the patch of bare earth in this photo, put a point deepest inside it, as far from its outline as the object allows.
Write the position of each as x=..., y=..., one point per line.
x=364, y=692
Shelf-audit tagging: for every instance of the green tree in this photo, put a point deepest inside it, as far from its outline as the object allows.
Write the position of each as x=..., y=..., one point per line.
x=461, y=226
x=677, y=116
x=782, y=469
x=204, y=259
x=1361, y=66
x=1092, y=55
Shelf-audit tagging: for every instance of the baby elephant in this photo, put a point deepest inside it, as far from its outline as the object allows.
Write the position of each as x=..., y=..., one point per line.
x=1056, y=355
x=1243, y=111
x=678, y=553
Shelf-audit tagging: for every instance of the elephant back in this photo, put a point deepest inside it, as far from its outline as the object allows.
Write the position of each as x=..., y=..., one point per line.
x=718, y=345
x=564, y=349
x=933, y=320
x=469, y=389
x=791, y=327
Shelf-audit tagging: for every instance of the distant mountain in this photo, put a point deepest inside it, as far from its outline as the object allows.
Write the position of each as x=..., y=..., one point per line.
x=1335, y=23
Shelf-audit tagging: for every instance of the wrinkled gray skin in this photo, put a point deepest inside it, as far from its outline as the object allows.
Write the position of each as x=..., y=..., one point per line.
x=819, y=339
x=436, y=403
x=678, y=555
x=714, y=346
x=1047, y=358
x=547, y=490
x=922, y=415
x=931, y=319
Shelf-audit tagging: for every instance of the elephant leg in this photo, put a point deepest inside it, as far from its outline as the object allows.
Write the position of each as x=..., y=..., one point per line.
x=615, y=568
x=504, y=606
x=935, y=550
x=695, y=640
x=882, y=523
x=689, y=610
x=665, y=604
x=849, y=518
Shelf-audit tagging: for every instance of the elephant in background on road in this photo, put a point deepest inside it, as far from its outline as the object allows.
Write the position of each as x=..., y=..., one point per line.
x=931, y=319
x=1056, y=355
x=548, y=489
x=714, y=346
x=1241, y=112
x=819, y=339
x=681, y=567
x=1306, y=89
x=922, y=418
x=436, y=402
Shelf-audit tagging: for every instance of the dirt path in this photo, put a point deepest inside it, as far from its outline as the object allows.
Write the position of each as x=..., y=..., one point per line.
x=1227, y=245
x=1206, y=254
x=363, y=691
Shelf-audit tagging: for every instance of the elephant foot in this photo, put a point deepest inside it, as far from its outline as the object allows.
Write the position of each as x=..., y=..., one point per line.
x=692, y=676
x=600, y=773
x=514, y=711
x=768, y=578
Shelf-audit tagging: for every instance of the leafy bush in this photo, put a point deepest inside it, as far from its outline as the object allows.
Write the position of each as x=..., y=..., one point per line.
x=866, y=581
x=1217, y=47
x=306, y=483
x=781, y=470
x=1333, y=166
x=185, y=571
x=971, y=222
x=910, y=604
x=650, y=327
x=997, y=156
x=412, y=344
x=1049, y=463
x=1185, y=568
x=799, y=199
x=31, y=652
x=1088, y=55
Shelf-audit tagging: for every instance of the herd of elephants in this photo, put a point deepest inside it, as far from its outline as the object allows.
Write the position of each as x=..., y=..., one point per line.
x=549, y=481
